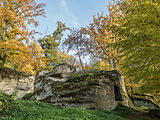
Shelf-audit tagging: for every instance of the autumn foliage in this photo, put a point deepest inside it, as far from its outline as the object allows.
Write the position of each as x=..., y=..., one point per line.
x=64, y=57
x=101, y=37
x=127, y=39
x=16, y=41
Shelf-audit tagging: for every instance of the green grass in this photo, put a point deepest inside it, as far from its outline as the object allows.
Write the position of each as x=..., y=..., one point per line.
x=35, y=110
x=11, y=109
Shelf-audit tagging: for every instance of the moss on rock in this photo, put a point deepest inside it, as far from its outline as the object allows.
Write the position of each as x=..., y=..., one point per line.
x=12, y=74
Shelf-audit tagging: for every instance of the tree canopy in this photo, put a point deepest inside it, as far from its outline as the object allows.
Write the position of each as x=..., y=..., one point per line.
x=139, y=42
x=15, y=36
x=51, y=42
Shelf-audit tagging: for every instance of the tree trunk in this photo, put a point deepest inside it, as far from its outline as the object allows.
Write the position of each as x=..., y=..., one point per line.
x=127, y=101
x=80, y=62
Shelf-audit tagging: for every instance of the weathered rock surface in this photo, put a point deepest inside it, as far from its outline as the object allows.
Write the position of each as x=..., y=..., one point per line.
x=62, y=70
x=12, y=81
x=95, y=90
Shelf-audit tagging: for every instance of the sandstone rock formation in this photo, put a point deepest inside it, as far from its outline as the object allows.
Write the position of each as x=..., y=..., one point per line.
x=62, y=70
x=94, y=90
x=12, y=81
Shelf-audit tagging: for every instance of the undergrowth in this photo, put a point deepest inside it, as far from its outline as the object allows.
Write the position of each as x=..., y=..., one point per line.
x=35, y=110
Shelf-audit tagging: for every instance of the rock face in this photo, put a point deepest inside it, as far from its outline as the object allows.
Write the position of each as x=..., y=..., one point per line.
x=94, y=90
x=12, y=81
x=62, y=70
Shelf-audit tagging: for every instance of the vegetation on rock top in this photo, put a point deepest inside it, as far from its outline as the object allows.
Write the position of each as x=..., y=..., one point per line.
x=12, y=74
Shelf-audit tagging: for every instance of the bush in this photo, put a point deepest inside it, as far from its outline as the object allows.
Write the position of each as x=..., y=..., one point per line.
x=6, y=103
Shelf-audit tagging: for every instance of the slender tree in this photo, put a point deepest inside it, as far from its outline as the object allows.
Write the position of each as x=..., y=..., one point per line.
x=50, y=43
x=101, y=37
x=76, y=42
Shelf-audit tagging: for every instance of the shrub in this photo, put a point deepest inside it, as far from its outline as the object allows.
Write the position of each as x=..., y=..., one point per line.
x=6, y=103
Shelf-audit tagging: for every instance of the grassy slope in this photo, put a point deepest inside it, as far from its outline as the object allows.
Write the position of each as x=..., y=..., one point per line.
x=34, y=110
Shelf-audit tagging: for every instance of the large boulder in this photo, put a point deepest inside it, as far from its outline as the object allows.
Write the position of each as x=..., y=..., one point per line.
x=93, y=90
x=62, y=70
x=13, y=81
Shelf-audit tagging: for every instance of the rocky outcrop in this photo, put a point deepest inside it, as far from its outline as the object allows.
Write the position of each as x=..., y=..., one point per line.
x=93, y=90
x=13, y=81
x=62, y=70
